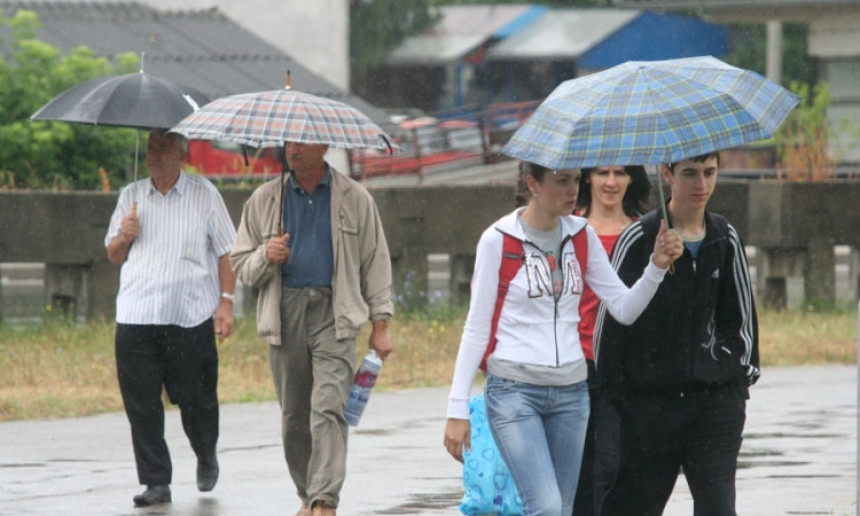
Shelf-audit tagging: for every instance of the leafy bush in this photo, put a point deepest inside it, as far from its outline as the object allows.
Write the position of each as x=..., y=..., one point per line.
x=54, y=155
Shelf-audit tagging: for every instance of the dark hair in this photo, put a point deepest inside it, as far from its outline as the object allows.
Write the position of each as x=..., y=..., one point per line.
x=635, y=201
x=698, y=159
x=522, y=194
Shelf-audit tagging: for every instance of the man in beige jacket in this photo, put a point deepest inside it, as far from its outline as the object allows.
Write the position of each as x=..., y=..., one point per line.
x=328, y=273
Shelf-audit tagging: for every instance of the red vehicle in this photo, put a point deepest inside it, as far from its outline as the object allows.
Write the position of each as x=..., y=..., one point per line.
x=225, y=160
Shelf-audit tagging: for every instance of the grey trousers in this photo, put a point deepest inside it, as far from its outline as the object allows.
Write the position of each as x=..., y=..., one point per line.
x=313, y=373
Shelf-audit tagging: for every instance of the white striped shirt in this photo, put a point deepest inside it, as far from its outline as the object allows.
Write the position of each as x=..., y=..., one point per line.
x=171, y=273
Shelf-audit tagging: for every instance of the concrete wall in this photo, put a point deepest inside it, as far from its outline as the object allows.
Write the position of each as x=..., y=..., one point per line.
x=794, y=227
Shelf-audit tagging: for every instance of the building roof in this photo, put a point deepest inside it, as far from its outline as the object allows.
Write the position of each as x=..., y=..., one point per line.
x=462, y=29
x=654, y=36
x=751, y=11
x=562, y=33
x=687, y=4
x=602, y=38
x=595, y=38
x=202, y=49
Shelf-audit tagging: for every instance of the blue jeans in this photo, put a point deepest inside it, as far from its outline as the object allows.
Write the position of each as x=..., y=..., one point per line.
x=540, y=432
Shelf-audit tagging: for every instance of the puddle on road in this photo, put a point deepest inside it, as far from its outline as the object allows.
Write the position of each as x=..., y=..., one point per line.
x=770, y=463
x=786, y=435
x=427, y=501
x=11, y=465
x=376, y=431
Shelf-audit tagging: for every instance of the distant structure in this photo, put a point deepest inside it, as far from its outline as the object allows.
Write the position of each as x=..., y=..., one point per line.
x=833, y=40
x=485, y=54
x=201, y=48
x=314, y=32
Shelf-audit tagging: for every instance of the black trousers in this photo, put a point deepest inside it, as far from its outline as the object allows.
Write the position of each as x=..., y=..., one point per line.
x=697, y=429
x=600, y=455
x=182, y=361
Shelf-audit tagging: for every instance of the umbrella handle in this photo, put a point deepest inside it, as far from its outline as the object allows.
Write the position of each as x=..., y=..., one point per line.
x=134, y=209
x=663, y=208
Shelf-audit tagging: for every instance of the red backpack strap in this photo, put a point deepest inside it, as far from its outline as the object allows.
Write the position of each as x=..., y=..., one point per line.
x=580, y=248
x=512, y=258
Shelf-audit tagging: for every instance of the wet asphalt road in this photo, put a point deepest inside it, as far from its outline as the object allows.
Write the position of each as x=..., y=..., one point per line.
x=798, y=458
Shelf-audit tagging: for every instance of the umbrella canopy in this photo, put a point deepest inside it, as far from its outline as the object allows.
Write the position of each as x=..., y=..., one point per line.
x=135, y=100
x=650, y=112
x=270, y=118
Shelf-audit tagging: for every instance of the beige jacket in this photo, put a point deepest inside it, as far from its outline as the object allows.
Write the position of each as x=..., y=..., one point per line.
x=361, y=284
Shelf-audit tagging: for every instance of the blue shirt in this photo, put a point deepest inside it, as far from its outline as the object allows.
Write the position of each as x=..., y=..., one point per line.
x=307, y=219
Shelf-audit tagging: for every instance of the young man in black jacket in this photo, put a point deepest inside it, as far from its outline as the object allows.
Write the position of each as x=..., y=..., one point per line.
x=679, y=375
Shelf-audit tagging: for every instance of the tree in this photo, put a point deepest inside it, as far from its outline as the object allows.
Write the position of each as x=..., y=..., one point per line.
x=54, y=154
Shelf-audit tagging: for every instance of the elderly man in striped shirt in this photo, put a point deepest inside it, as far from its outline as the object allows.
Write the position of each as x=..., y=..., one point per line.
x=172, y=235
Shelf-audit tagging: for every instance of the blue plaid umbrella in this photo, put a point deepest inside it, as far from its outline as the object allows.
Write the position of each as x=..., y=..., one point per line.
x=650, y=112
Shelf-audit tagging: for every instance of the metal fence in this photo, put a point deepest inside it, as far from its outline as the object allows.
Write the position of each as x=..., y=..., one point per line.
x=450, y=139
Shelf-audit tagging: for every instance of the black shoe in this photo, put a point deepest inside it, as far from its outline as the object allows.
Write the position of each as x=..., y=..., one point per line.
x=152, y=496
x=207, y=473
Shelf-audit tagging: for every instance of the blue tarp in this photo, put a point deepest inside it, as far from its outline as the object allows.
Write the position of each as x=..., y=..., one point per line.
x=535, y=12
x=654, y=36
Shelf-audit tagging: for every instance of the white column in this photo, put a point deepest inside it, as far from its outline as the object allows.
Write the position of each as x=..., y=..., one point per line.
x=774, y=51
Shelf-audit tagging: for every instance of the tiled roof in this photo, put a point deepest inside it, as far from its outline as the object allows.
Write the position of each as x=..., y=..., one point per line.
x=202, y=49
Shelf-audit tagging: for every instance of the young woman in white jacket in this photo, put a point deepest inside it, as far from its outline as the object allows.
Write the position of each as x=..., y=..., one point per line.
x=535, y=392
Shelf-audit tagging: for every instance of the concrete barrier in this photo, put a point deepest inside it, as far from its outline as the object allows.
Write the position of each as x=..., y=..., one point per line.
x=794, y=227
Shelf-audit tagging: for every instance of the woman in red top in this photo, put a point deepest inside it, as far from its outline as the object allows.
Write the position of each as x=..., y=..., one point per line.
x=610, y=198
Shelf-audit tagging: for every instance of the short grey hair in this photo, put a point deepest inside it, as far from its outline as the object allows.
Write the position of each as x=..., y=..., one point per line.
x=179, y=140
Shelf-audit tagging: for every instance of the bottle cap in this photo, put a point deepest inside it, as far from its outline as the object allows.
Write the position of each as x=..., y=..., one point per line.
x=373, y=356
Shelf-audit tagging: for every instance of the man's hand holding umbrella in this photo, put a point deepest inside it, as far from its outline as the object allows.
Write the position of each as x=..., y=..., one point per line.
x=129, y=231
x=278, y=250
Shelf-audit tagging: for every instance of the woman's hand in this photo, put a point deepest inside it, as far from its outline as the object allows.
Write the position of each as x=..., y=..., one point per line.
x=457, y=435
x=668, y=246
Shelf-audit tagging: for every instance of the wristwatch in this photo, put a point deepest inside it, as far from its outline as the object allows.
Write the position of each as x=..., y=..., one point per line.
x=228, y=295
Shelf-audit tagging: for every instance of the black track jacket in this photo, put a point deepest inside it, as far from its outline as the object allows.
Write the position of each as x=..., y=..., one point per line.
x=699, y=330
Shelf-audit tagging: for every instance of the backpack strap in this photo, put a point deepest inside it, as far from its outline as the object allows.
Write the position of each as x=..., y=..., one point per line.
x=512, y=259
x=580, y=248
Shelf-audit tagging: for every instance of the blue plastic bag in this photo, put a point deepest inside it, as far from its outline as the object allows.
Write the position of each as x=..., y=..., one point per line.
x=489, y=487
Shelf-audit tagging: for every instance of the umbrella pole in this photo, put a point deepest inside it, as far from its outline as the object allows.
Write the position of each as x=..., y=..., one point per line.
x=662, y=198
x=136, y=152
x=663, y=208
x=281, y=209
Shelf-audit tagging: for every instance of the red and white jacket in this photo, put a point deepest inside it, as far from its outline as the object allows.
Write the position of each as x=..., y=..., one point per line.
x=535, y=327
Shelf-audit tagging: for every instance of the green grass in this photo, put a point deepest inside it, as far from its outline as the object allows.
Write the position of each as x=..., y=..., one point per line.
x=59, y=369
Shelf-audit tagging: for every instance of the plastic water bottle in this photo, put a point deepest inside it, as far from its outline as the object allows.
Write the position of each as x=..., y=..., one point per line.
x=365, y=379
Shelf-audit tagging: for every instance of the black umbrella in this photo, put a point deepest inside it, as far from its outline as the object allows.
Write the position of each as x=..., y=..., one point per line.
x=134, y=100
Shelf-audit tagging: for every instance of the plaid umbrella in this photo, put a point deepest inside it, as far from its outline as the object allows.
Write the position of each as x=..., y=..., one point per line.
x=270, y=118
x=643, y=112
